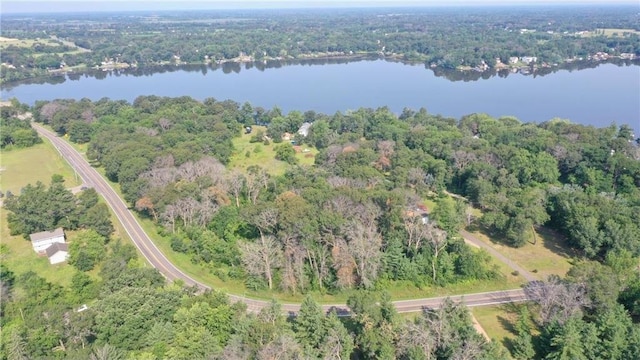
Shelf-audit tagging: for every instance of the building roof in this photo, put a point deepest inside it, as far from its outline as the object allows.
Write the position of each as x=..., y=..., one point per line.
x=55, y=247
x=304, y=129
x=44, y=235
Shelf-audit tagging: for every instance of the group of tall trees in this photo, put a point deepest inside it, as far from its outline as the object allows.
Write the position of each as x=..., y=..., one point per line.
x=354, y=220
x=351, y=221
x=444, y=38
x=41, y=208
x=16, y=129
x=134, y=314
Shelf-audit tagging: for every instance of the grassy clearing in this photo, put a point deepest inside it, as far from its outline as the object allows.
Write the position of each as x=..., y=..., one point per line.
x=548, y=255
x=498, y=321
x=37, y=163
x=19, y=257
x=21, y=167
x=26, y=43
x=264, y=155
x=610, y=32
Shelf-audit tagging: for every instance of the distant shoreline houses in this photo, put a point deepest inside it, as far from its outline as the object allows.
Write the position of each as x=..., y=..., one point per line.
x=52, y=244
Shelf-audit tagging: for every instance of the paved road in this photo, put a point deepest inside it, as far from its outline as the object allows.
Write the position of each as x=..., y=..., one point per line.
x=157, y=259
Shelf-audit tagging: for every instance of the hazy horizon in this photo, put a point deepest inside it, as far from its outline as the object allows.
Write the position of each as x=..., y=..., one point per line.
x=44, y=6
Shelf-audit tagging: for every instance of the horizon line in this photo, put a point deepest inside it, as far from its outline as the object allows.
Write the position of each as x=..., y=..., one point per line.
x=55, y=7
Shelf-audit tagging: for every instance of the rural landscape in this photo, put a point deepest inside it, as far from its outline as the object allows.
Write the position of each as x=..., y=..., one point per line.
x=215, y=228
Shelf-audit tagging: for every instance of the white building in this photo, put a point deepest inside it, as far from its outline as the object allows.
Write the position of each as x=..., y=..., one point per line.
x=57, y=253
x=304, y=129
x=42, y=240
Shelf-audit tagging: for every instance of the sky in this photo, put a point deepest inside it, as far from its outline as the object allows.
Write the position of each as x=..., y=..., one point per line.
x=42, y=6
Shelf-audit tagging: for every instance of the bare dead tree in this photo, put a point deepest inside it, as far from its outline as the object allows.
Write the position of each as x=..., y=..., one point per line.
x=338, y=181
x=471, y=349
x=333, y=151
x=293, y=274
x=417, y=230
x=318, y=257
x=416, y=178
x=205, y=212
x=235, y=183
x=386, y=148
x=160, y=177
x=558, y=300
x=462, y=159
x=164, y=124
x=169, y=216
x=49, y=110
x=164, y=161
x=266, y=221
x=188, y=209
x=255, y=181
x=262, y=257
x=365, y=246
x=333, y=345
x=87, y=116
x=414, y=336
x=236, y=349
x=344, y=264
x=438, y=240
x=285, y=347
x=146, y=131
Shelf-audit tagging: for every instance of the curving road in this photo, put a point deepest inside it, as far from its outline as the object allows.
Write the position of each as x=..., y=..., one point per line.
x=157, y=259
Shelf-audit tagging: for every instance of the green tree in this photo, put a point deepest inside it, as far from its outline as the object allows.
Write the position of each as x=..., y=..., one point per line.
x=309, y=324
x=522, y=345
x=286, y=153
x=566, y=341
x=98, y=218
x=449, y=215
x=86, y=250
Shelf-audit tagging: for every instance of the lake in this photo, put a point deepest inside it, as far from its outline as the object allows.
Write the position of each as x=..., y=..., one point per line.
x=596, y=96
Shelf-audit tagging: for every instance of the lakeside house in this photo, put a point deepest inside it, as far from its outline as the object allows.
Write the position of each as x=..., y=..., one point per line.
x=42, y=240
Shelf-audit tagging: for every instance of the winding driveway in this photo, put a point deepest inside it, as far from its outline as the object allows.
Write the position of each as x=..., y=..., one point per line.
x=158, y=260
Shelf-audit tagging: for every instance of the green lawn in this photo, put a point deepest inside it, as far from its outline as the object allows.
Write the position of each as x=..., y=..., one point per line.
x=548, y=255
x=37, y=163
x=264, y=155
x=19, y=257
x=498, y=321
x=21, y=167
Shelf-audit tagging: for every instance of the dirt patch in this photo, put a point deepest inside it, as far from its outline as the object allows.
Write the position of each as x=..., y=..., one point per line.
x=479, y=328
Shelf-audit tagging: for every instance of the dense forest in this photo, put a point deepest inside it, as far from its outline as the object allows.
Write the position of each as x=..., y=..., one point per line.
x=444, y=38
x=353, y=220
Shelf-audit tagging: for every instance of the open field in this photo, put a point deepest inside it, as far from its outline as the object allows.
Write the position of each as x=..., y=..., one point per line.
x=18, y=255
x=6, y=42
x=610, y=32
x=21, y=167
x=548, y=255
x=24, y=166
x=264, y=155
x=37, y=163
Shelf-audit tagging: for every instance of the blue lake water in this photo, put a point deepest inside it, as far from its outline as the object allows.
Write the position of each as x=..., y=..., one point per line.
x=595, y=96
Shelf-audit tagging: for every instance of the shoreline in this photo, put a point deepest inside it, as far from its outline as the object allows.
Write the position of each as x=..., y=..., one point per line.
x=324, y=59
